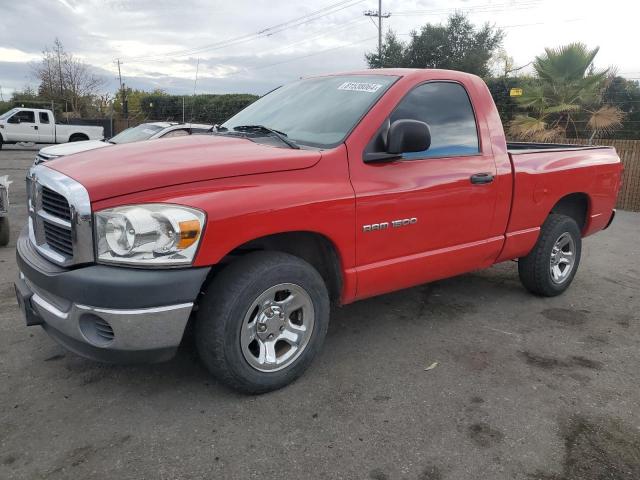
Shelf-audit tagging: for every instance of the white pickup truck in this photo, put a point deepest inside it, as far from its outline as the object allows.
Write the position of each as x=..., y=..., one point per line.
x=36, y=125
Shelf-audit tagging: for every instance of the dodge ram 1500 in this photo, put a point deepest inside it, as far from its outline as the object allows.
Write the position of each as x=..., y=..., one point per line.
x=326, y=191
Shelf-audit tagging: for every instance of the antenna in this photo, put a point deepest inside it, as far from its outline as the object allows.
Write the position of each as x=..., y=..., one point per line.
x=195, y=84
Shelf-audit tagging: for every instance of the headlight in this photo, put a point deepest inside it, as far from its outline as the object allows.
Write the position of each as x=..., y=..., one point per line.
x=149, y=234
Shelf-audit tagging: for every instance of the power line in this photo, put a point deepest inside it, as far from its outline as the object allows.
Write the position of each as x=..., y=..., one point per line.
x=265, y=32
x=336, y=28
x=259, y=67
x=484, y=8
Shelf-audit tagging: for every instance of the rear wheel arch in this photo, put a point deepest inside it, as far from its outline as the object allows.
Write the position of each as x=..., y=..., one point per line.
x=314, y=248
x=78, y=137
x=574, y=205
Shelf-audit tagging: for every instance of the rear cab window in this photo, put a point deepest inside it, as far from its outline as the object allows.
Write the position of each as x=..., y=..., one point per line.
x=176, y=133
x=43, y=117
x=446, y=108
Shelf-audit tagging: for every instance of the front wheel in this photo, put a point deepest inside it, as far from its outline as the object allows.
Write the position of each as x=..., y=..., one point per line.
x=262, y=321
x=550, y=267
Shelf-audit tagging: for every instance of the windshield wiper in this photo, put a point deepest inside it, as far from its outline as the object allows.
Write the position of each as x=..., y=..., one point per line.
x=261, y=128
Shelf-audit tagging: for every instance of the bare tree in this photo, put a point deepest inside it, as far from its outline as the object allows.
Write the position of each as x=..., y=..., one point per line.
x=65, y=77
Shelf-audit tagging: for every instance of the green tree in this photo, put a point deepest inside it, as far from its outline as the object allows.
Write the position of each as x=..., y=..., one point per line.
x=134, y=102
x=625, y=94
x=567, y=97
x=456, y=45
x=197, y=108
x=392, y=53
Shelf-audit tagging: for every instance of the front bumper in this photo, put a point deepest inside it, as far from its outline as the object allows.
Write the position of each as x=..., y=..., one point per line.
x=111, y=314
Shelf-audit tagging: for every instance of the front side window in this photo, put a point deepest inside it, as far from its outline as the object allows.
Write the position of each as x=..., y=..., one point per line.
x=446, y=108
x=23, y=116
x=44, y=117
x=318, y=112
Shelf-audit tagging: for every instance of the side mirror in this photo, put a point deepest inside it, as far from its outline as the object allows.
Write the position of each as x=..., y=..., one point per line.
x=403, y=136
x=408, y=136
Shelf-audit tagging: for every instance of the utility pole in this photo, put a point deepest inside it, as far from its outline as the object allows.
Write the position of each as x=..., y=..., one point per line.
x=380, y=15
x=58, y=53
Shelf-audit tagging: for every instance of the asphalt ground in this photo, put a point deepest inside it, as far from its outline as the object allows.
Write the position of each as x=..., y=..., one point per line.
x=520, y=387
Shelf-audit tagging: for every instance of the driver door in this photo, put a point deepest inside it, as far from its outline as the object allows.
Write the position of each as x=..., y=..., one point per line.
x=424, y=217
x=22, y=127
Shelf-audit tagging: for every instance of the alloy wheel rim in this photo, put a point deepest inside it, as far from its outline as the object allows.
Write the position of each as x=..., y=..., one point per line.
x=277, y=327
x=563, y=258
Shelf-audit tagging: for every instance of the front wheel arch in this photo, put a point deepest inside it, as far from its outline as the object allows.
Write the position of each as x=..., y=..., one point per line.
x=314, y=248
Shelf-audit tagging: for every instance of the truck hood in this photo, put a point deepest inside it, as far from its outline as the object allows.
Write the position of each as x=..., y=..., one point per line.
x=73, y=147
x=135, y=167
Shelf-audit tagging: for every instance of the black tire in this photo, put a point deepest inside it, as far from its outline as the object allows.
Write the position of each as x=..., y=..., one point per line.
x=222, y=311
x=535, y=269
x=1, y=142
x=78, y=137
x=5, y=231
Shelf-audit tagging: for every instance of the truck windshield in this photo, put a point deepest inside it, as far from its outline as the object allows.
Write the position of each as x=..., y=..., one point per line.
x=136, y=134
x=318, y=112
x=6, y=115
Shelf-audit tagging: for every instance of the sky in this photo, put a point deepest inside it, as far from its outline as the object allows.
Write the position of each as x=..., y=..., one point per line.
x=253, y=46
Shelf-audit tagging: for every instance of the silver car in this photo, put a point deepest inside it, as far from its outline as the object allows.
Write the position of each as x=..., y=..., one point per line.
x=144, y=131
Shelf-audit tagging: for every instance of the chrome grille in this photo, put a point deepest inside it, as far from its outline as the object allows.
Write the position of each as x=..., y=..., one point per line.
x=55, y=204
x=58, y=238
x=60, y=223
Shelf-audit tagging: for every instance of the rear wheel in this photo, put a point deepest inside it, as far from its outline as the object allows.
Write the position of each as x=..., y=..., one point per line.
x=550, y=267
x=262, y=321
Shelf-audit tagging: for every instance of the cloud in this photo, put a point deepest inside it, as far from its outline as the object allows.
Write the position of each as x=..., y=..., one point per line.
x=160, y=41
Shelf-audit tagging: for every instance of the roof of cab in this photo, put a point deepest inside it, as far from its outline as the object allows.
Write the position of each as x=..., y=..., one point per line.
x=423, y=73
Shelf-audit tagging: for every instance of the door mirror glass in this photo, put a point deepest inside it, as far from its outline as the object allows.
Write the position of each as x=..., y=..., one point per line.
x=407, y=136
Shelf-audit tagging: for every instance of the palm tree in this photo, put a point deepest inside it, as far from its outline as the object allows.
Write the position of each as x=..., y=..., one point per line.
x=568, y=88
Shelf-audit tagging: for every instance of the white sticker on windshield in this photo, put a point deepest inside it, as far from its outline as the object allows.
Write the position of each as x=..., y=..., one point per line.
x=360, y=87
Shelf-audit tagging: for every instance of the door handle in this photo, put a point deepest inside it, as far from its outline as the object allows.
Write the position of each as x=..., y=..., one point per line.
x=481, y=178
x=35, y=127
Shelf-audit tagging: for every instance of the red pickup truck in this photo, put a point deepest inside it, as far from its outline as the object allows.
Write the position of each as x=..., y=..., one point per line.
x=326, y=191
